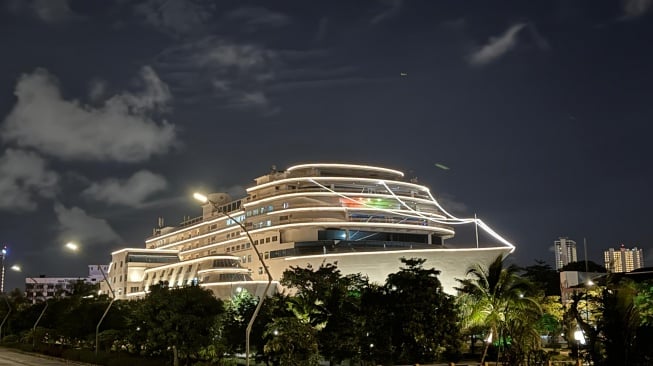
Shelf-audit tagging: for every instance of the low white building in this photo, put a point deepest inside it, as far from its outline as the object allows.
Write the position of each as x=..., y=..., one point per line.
x=42, y=288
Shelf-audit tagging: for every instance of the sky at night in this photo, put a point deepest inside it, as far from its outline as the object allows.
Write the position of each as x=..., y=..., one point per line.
x=113, y=112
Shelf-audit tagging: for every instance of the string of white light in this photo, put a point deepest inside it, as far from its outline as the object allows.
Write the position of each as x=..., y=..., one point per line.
x=452, y=220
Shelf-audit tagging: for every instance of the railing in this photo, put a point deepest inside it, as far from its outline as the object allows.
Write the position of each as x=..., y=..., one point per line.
x=342, y=246
x=341, y=189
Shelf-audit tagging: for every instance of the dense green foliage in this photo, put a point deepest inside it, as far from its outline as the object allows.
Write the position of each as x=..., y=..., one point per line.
x=497, y=300
x=326, y=316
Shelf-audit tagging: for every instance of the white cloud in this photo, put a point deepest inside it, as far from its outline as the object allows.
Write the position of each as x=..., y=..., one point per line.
x=48, y=11
x=97, y=90
x=220, y=53
x=244, y=75
x=23, y=176
x=75, y=223
x=120, y=129
x=256, y=98
x=496, y=47
x=127, y=192
x=236, y=73
x=391, y=9
x=256, y=17
x=636, y=8
x=52, y=11
x=176, y=18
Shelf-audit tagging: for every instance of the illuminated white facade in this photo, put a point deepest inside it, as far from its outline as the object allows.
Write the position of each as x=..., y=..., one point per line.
x=362, y=218
x=565, y=251
x=623, y=259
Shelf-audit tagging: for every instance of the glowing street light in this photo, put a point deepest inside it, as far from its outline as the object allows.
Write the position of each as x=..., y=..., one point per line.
x=17, y=268
x=74, y=247
x=204, y=199
x=200, y=197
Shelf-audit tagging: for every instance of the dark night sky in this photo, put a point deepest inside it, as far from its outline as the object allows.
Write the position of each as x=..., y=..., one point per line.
x=113, y=112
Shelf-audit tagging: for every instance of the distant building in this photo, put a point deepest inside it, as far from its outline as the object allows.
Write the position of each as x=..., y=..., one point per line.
x=42, y=288
x=623, y=259
x=565, y=251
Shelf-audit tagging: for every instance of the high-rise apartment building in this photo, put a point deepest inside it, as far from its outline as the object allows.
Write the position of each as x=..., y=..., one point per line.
x=623, y=259
x=565, y=251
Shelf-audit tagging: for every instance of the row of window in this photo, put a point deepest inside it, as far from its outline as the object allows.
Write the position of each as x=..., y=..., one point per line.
x=235, y=248
x=260, y=224
x=239, y=218
x=229, y=222
x=259, y=211
x=233, y=206
x=266, y=240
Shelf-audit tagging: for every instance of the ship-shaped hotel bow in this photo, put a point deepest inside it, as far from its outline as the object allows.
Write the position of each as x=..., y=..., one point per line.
x=361, y=218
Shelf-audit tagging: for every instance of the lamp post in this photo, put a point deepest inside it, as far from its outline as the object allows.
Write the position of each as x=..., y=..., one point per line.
x=204, y=199
x=17, y=268
x=6, y=315
x=74, y=247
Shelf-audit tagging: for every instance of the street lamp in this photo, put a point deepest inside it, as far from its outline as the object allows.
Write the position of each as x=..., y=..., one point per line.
x=6, y=315
x=17, y=268
x=204, y=199
x=74, y=247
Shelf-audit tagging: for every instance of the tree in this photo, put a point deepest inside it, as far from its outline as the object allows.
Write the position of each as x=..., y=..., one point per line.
x=330, y=303
x=619, y=323
x=376, y=341
x=238, y=312
x=180, y=319
x=544, y=277
x=580, y=267
x=643, y=302
x=551, y=321
x=425, y=322
x=292, y=342
x=497, y=299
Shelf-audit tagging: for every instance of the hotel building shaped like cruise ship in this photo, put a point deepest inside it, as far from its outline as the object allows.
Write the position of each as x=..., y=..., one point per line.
x=362, y=218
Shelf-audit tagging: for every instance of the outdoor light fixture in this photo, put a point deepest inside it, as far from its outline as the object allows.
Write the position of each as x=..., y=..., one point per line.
x=17, y=268
x=200, y=197
x=204, y=199
x=72, y=246
x=579, y=336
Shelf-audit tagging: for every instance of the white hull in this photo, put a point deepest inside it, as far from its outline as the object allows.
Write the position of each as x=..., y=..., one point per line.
x=453, y=263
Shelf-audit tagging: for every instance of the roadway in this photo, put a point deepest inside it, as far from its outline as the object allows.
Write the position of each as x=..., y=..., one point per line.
x=9, y=357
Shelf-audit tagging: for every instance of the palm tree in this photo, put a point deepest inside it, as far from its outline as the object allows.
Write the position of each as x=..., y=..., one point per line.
x=496, y=299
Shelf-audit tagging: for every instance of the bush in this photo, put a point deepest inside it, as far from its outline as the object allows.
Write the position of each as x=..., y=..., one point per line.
x=12, y=338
